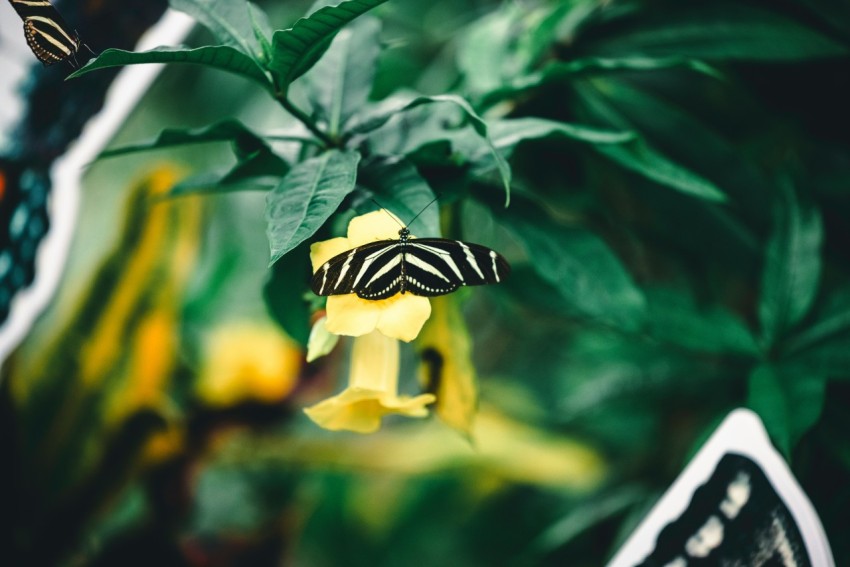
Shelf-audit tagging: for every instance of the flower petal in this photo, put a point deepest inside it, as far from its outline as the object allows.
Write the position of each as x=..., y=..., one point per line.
x=361, y=410
x=321, y=252
x=403, y=316
x=377, y=225
x=372, y=390
x=374, y=364
x=350, y=315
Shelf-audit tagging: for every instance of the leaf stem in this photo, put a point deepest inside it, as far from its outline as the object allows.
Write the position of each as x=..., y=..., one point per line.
x=305, y=120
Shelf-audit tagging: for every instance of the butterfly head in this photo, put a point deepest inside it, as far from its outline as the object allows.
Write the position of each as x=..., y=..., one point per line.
x=404, y=233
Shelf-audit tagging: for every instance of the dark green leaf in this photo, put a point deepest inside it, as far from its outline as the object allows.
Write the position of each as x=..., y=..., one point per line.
x=579, y=264
x=788, y=403
x=478, y=125
x=399, y=187
x=674, y=318
x=823, y=346
x=705, y=149
x=581, y=518
x=562, y=72
x=219, y=57
x=259, y=171
x=285, y=290
x=792, y=264
x=638, y=156
x=338, y=86
x=224, y=131
x=228, y=20
x=296, y=50
x=507, y=134
x=309, y=194
x=719, y=30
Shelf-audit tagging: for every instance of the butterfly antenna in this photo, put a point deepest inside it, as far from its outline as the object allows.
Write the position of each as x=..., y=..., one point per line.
x=423, y=209
x=380, y=206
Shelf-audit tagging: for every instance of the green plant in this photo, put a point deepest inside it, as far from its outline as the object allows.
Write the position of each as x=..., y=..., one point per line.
x=677, y=196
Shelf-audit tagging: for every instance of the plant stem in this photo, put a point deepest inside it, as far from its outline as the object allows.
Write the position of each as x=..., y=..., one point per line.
x=304, y=119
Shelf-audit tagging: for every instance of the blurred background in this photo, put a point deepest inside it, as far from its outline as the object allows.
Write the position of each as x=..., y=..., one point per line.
x=154, y=412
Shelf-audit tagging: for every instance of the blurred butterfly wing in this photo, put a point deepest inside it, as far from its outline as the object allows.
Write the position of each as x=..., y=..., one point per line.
x=736, y=503
x=23, y=223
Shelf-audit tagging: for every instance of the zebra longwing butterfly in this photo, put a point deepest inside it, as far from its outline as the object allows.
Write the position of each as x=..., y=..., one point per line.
x=422, y=266
x=49, y=37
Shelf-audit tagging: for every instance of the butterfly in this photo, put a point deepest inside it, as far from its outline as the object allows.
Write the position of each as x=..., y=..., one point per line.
x=49, y=37
x=421, y=266
x=736, y=503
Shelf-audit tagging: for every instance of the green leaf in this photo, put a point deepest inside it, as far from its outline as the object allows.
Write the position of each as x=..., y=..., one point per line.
x=309, y=194
x=579, y=264
x=675, y=318
x=580, y=519
x=399, y=187
x=218, y=56
x=262, y=29
x=376, y=120
x=508, y=43
x=224, y=131
x=296, y=50
x=259, y=171
x=563, y=72
x=823, y=346
x=228, y=20
x=508, y=133
x=834, y=323
x=705, y=149
x=285, y=291
x=485, y=51
x=338, y=86
x=788, y=403
x=792, y=264
x=720, y=31
x=638, y=156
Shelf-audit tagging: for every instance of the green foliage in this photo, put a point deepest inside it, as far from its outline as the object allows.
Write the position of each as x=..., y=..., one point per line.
x=309, y=194
x=675, y=203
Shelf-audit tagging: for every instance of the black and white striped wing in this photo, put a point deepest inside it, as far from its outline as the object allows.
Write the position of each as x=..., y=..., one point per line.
x=49, y=37
x=372, y=271
x=436, y=266
x=423, y=266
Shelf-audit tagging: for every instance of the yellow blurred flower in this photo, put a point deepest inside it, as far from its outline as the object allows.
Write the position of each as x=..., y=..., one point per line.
x=445, y=348
x=248, y=362
x=372, y=390
x=400, y=316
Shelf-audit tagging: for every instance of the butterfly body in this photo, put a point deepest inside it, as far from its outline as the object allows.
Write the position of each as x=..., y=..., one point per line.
x=421, y=266
x=48, y=35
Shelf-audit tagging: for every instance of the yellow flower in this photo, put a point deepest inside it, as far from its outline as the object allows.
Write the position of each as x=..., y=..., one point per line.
x=446, y=350
x=247, y=362
x=372, y=390
x=400, y=316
